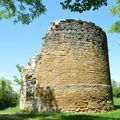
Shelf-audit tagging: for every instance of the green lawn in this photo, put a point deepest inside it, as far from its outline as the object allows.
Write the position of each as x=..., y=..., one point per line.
x=16, y=114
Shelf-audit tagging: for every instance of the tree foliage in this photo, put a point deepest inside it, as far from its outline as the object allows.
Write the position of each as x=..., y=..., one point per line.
x=8, y=98
x=25, y=11
x=115, y=10
x=82, y=5
x=116, y=88
x=19, y=68
x=18, y=81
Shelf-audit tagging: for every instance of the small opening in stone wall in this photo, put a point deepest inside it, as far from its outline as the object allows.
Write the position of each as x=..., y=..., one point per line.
x=56, y=26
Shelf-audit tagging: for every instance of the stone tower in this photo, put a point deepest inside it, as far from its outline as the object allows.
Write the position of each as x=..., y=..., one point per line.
x=71, y=73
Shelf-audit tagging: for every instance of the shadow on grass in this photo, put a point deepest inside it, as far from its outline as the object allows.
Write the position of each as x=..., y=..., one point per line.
x=117, y=107
x=53, y=116
x=87, y=117
x=23, y=116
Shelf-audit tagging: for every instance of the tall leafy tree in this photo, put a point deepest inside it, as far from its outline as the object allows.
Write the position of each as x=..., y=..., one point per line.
x=115, y=10
x=25, y=11
x=8, y=98
x=82, y=5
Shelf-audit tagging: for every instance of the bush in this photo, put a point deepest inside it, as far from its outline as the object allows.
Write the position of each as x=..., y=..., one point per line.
x=8, y=98
x=116, y=92
x=116, y=88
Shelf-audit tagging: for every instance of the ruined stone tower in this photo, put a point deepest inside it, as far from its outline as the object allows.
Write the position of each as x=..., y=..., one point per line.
x=71, y=73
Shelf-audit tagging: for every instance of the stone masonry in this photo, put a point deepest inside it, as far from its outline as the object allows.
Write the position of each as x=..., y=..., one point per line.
x=71, y=73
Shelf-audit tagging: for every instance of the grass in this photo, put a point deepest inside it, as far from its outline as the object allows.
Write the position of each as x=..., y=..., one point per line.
x=10, y=110
x=16, y=114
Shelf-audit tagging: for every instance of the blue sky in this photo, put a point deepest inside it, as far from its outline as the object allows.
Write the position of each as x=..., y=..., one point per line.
x=18, y=42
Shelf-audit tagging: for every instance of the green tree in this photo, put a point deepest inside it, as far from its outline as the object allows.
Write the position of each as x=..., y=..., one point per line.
x=82, y=5
x=18, y=81
x=25, y=11
x=115, y=10
x=19, y=68
x=5, y=84
x=8, y=98
x=116, y=88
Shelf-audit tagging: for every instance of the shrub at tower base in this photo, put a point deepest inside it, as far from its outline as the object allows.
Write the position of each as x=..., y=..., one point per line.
x=71, y=72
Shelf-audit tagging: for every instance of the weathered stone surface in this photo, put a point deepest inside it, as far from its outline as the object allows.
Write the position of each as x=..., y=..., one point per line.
x=71, y=73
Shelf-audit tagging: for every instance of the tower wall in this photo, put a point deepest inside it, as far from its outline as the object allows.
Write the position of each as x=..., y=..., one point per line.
x=74, y=63
x=72, y=70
